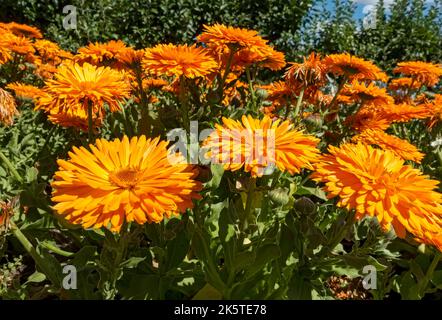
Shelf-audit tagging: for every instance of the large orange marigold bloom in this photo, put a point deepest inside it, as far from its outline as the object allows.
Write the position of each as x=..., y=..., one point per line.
x=352, y=67
x=376, y=183
x=122, y=180
x=423, y=72
x=399, y=147
x=8, y=107
x=255, y=145
x=179, y=60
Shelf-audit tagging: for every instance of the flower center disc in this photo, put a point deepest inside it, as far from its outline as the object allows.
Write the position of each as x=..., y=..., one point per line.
x=124, y=178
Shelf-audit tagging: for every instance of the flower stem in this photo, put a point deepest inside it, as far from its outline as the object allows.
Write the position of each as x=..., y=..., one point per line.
x=252, y=92
x=424, y=284
x=225, y=75
x=11, y=168
x=247, y=211
x=184, y=103
x=27, y=245
x=340, y=87
x=299, y=102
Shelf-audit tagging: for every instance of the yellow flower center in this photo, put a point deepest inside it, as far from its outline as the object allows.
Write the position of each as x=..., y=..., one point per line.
x=125, y=178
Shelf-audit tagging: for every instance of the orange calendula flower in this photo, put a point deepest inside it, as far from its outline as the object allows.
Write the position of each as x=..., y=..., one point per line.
x=403, y=112
x=76, y=87
x=220, y=35
x=434, y=110
x=102, y=54
x=179, y=60
x=425, y=73
x=122, y=181
x=266, y=57
x=25, y=91
x=311, y=72
x=399, y=147
x=49, y=52
x=18, y=45
x=404, y=83
x=367, y=118
x=22, y=30
x=8, y=107
x=366, y=94
x=245, y=47
x=376, y=183
x=257, y=145
x=344, y=64
x=278, y=92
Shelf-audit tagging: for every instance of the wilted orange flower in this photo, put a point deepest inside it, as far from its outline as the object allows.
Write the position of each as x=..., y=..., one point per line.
x=352, y=67
x=122, y=181
x=399, y=147
x=220, y=35
x=404, y=83
x=434, y=110
x=25, y=91
x=311, y=72
x=179, y=60
x=22, y=30
x=366, y=94
x=8, y=107
x=376, y=183
x=425, y=73
x=259, y=144
x=102, y=54
x=75, y=87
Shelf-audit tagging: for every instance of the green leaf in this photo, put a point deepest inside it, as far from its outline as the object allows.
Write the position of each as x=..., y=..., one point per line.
x=264, y=255
x=207, y=293
x=217, y=175
x=36, y=277
x=317, y=192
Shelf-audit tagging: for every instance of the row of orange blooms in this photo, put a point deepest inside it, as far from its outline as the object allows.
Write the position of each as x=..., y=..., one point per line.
x=126, y=180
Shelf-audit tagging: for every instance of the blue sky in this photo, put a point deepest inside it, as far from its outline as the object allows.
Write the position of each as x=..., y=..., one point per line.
x=363, y=6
